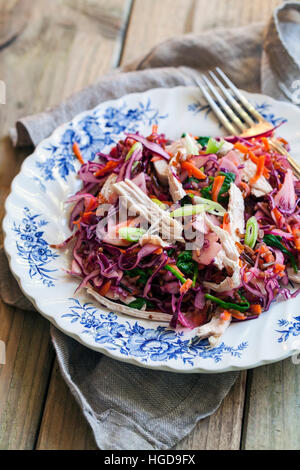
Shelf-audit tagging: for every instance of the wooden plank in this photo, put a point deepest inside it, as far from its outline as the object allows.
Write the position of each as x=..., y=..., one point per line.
x=63, y=426
x=139, y=40
x=273, y=409
x=222, y=430
x=169, y=18
x=24, y=377
x=44, y=57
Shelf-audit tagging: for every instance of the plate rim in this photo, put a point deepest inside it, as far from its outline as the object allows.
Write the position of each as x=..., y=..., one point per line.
x=98, y=347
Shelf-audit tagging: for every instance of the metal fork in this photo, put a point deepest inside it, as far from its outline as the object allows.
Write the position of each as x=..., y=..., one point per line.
x=237, y=114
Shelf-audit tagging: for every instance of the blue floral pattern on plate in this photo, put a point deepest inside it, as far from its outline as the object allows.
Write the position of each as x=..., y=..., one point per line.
x=160, y=344
x=32, y=247
x=290, y=328
x=264, y=109
x=93, y=132
x=36, y=264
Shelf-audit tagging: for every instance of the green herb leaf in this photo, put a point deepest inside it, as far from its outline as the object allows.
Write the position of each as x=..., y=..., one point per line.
x=186, y=264
x=202, y=141
x=139, y=303
x=143, y=274
x=191, y=179
x=186, y=200
x=276, y=242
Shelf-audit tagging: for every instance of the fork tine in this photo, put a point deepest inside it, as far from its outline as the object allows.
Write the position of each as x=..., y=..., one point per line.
x=224, y=105
x=250, y=108
x=220, y=115
x=232, y=100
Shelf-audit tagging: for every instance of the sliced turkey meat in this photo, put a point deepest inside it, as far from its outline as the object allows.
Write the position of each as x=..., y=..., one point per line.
x=132, y=312
x=161, y=168
x=108, y=191
x=236, y=211
x=175, y=187
x=169, y=228
x=261, y=187
x=228, y=257
x=213, y=330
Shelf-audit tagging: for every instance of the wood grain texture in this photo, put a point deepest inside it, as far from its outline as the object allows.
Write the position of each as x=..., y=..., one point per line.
x=44, y=57
x=222, y=430
x=63, y=426
x=273, y=409
x=167, y=18
x=46, y=49
x=24, y=377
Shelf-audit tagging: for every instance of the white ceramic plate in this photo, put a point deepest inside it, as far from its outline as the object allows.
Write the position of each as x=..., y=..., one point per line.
x=37, y=217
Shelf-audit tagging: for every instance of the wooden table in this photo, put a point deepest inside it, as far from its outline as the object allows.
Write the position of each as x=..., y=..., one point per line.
x=48, y=50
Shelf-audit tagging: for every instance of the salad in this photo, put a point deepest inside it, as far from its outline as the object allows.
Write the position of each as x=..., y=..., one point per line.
x=198, y=232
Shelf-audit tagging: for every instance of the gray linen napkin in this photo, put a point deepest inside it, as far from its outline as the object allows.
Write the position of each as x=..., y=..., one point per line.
x=130, y=407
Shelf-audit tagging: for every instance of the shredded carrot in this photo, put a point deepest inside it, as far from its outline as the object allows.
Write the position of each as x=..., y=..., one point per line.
x=186, y=286
x=256, y=308
x=265, y=144
x=226, y=222
x=77, y=153
x=283, y=140
x=77, y=222
x=192, y=191
x=296, y=235
x=154, y=129
x=278, y=268
x=241, y=147
x=217, y=185
x=262, y=249
x=245, y=189
x=269, y=258
x=277, y=215
x=156, y=158
x=109, y=166
x=254, y=159
x=237, y=315
x=193, y=170
x=259, y=169
x=225, y=315
x=101, y=199
x=105, y=288
x=240, y=247
x=173, y=266
x=158, y=251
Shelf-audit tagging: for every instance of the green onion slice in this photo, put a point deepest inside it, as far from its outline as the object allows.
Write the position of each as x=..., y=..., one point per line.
x=136, y=146
x=251, y=232
x=131, y=234
x=241, y=307
x=213, y=146
x=189, y=209
x=159, y=203
x=191, y=145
